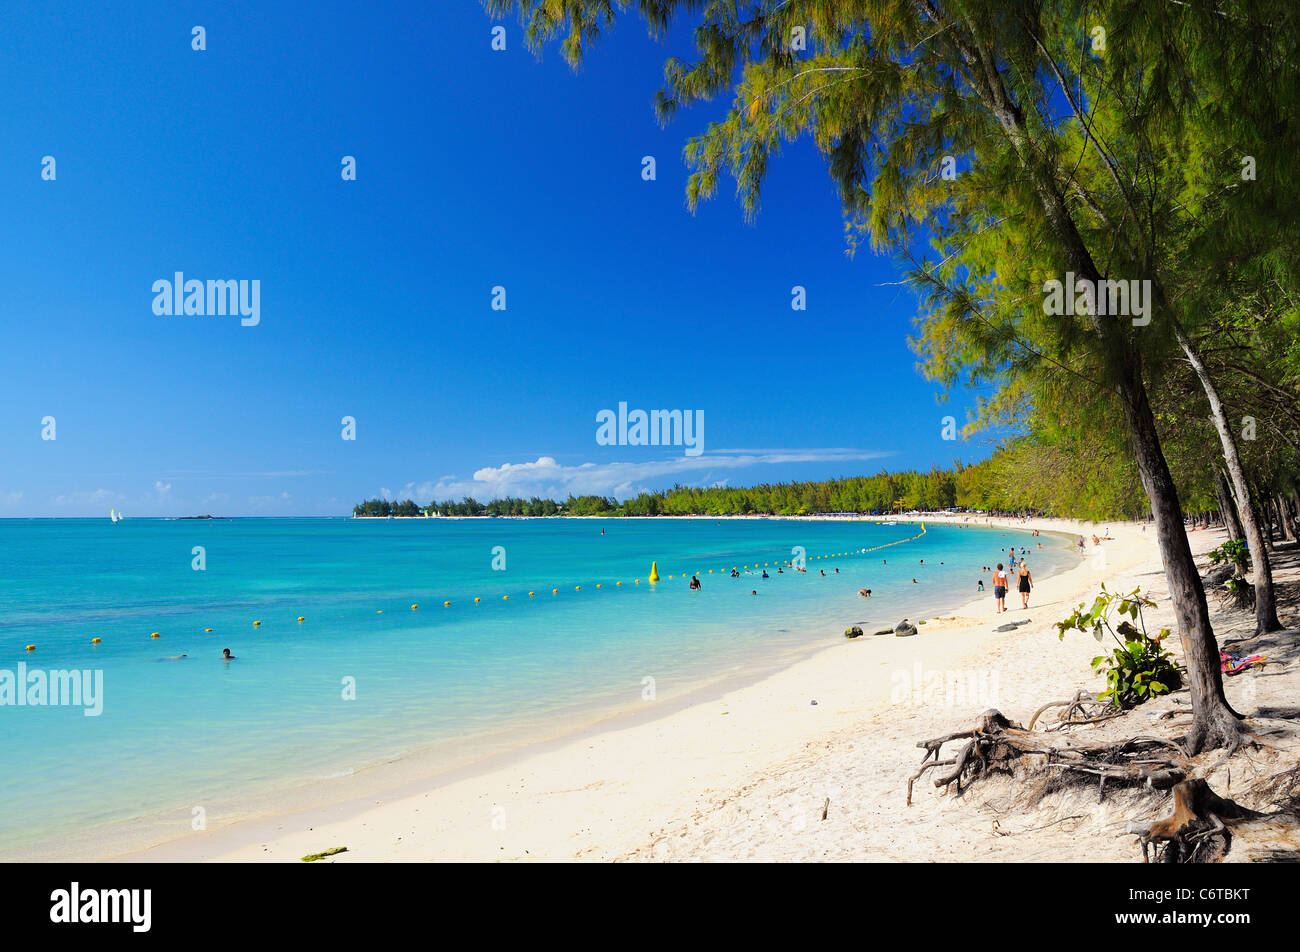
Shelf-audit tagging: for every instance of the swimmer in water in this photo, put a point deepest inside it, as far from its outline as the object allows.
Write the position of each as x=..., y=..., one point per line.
x=226, y=655
x=823, y=573
x=176, y=657
x=864, y=592
x=913, y=581
x=753, y=591
x=695, y=583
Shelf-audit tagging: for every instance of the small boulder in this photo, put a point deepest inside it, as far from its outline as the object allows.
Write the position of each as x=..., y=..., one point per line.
x=1218, y=575
x=904, y=629
x=853, y=632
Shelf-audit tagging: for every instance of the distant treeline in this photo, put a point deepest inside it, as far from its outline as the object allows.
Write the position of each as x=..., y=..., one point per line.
x=1020, y=478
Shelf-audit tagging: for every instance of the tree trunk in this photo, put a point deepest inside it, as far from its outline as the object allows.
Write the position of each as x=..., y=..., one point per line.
x=1284, y=515
x=1231, y=521
x=1214, y=722
x=1262, y=575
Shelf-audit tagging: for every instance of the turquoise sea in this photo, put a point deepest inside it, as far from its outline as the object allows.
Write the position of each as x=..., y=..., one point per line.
x=454, y=682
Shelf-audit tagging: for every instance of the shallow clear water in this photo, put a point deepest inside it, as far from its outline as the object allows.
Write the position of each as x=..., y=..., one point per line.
x=469, y=678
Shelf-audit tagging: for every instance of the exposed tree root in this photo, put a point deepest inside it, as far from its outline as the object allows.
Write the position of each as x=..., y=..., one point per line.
x=1200, y=828
x=1083, y=708
x=998, y=744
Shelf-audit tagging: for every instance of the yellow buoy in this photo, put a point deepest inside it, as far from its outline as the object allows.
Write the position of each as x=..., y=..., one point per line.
x=530, y=594
x=554, y=590
x=414, y=607
x=598, y=585
x=302, y=618
x=31, y=648
x=504, y=597
x=654, y=572
x=154, y=635
x=256, y=624
x=94, y=641
x=207, y=629
x=617, y=584
x=478, y=599
x=445, y=604
x=577, y=588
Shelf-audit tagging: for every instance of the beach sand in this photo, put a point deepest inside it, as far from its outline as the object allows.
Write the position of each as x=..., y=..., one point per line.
x=746, y=774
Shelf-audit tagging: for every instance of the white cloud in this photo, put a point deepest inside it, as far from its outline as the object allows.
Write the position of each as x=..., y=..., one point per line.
x=549, y=478
x=88, y=497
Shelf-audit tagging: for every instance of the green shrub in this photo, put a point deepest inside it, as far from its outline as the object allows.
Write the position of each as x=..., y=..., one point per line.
x=1140, y=668
x=1233, y=551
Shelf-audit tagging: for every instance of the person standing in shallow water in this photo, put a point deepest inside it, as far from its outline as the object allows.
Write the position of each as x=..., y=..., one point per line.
x=1026, y=583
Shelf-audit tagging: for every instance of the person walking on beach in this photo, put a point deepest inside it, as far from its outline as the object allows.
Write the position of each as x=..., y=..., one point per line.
x=1026, y=583
x=1000, y=589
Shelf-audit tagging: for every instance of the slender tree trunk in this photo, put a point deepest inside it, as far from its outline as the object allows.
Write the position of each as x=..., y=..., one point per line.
x=1228, y=505
x=1284, y=518
x=1265, y=601
x=1214, y=721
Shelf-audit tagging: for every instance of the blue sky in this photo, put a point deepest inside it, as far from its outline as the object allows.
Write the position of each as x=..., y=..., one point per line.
x=475, y=168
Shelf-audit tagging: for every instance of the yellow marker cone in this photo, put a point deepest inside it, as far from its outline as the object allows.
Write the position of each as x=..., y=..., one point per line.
x=654, y=572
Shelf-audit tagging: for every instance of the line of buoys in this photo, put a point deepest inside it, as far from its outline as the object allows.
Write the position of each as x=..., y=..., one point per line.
x=655, y=576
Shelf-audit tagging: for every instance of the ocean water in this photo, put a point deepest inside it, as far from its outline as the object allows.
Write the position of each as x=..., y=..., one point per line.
x=458, y=682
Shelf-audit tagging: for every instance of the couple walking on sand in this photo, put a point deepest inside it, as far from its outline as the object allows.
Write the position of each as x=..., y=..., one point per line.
x=1001, y=582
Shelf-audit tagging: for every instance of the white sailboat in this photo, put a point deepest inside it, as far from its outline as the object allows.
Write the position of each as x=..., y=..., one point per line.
x=114, y=515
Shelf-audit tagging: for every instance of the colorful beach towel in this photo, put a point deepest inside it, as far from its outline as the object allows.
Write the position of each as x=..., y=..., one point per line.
x=1230, y=663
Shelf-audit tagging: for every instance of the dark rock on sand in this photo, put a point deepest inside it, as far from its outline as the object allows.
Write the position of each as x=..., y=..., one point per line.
x=854, y=632
x=1218, y=575
x=904, y=629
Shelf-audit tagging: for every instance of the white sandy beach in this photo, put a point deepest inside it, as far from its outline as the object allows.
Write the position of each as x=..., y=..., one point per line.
x=747, y=773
